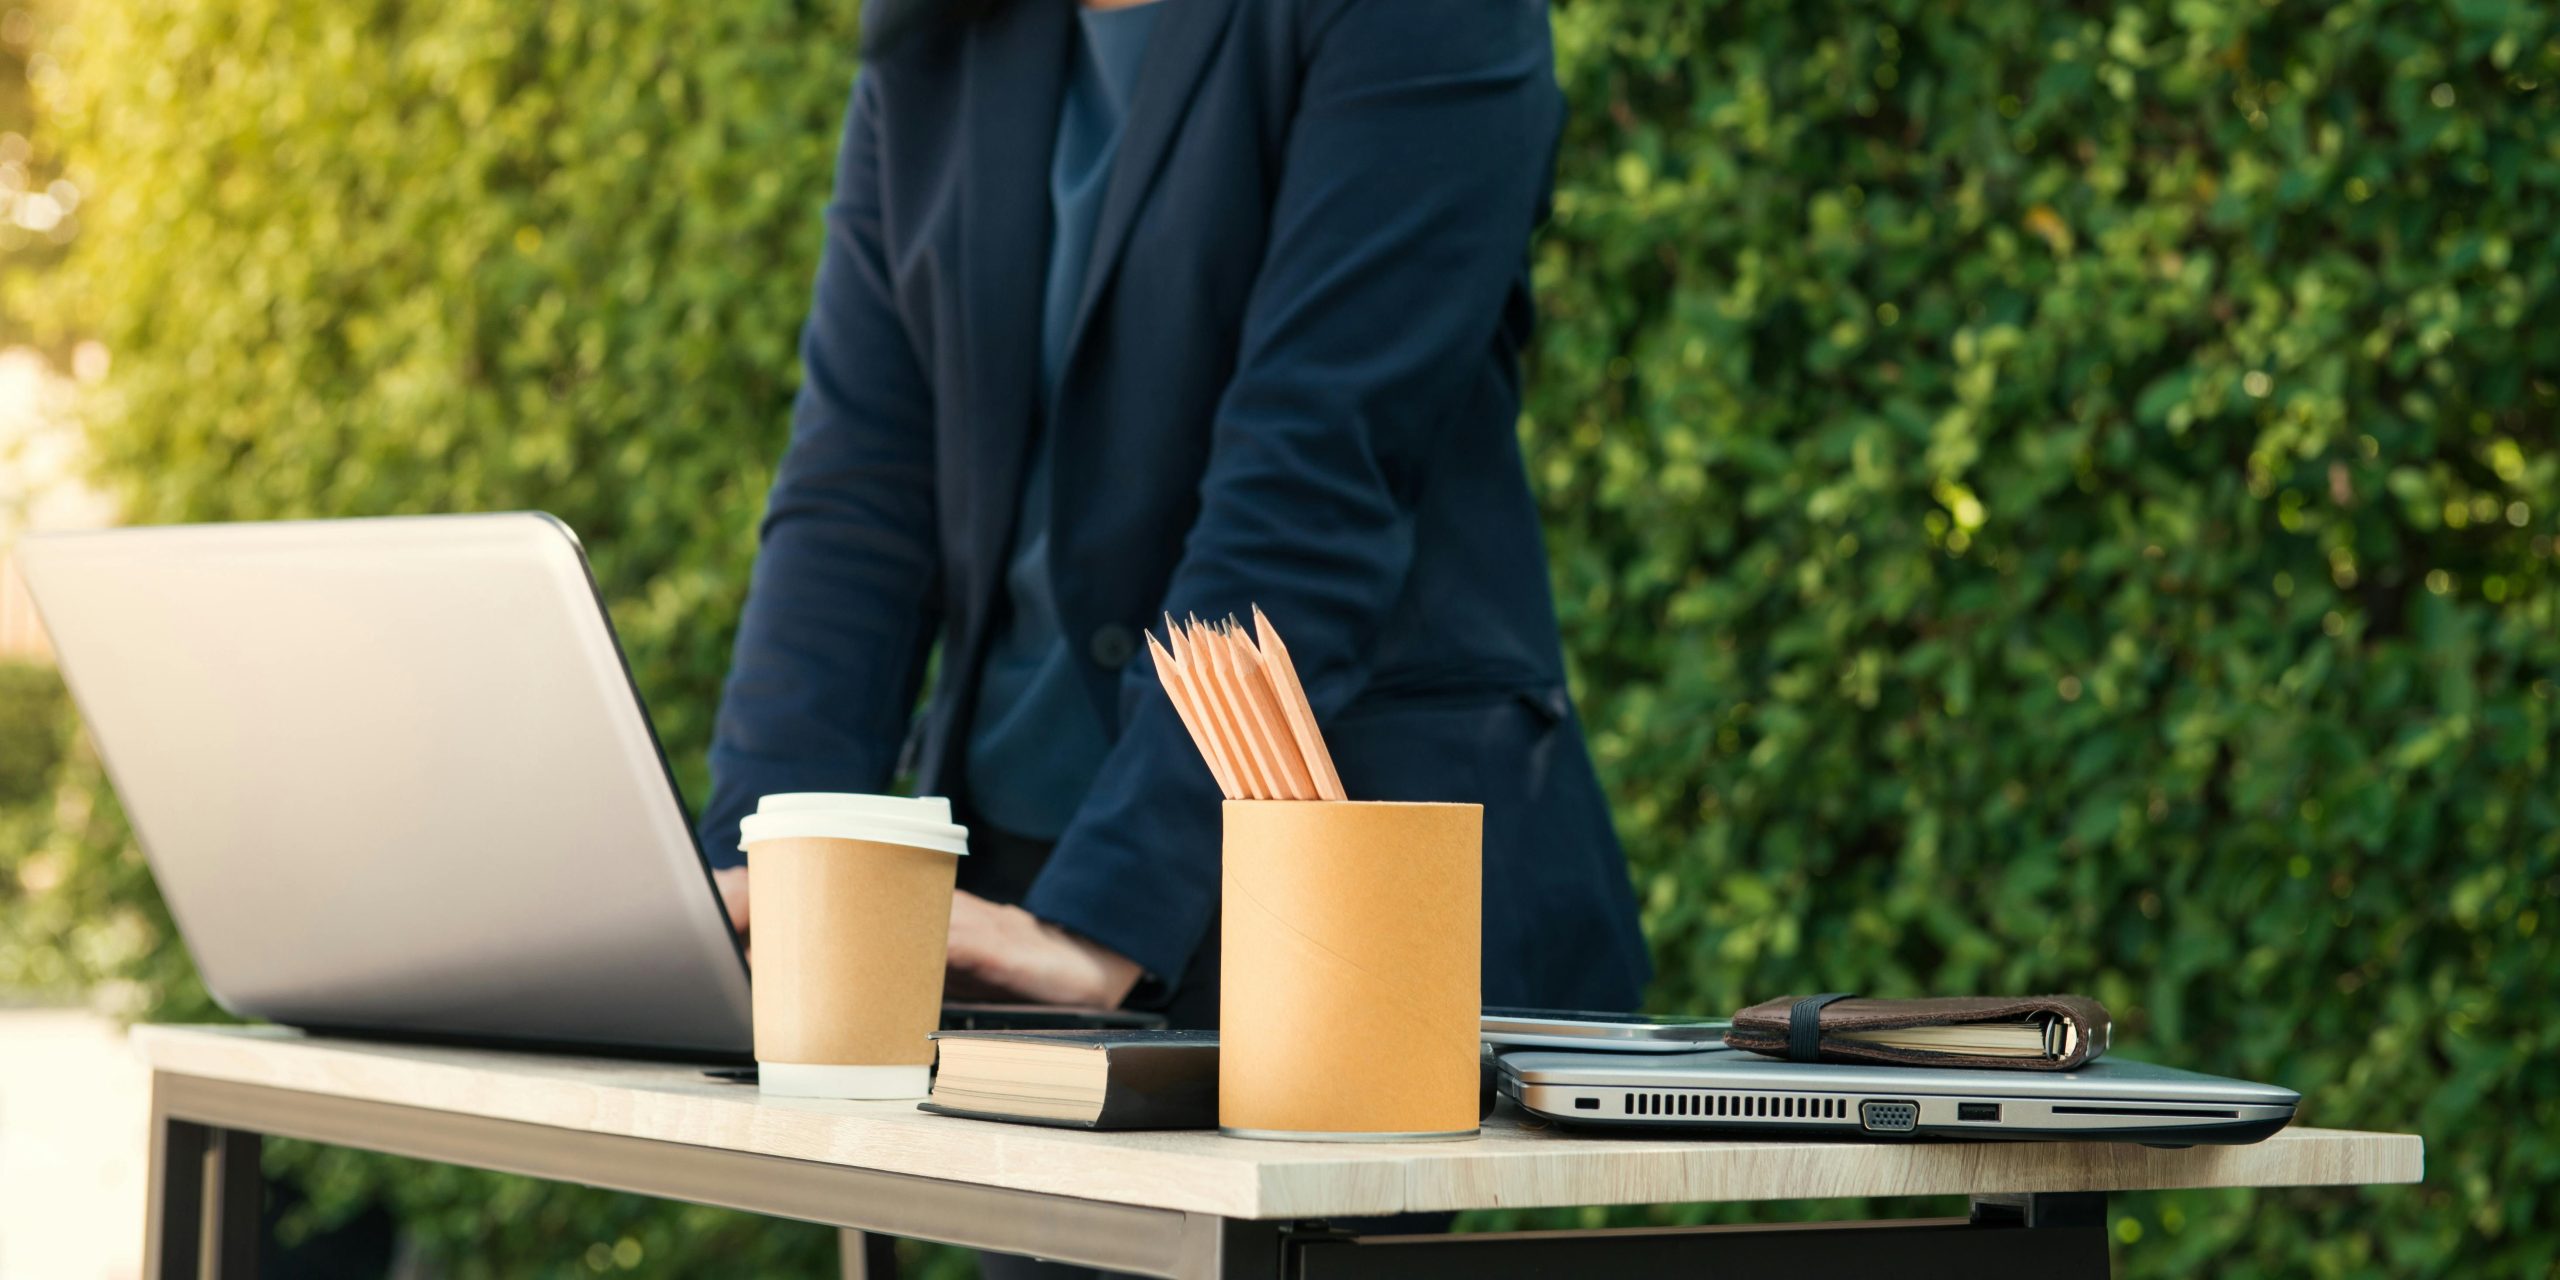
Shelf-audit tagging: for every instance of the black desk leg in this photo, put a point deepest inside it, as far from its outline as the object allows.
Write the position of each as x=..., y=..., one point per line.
x=206, y=1201
x=2084, y=1210
x=173, y=1234
x=866, y=1255
x=235, y=1197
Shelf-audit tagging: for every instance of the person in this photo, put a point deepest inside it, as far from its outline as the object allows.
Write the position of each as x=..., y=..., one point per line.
x=1128, y=310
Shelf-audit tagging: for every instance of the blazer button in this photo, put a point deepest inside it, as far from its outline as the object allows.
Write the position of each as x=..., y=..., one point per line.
x=1112, y=645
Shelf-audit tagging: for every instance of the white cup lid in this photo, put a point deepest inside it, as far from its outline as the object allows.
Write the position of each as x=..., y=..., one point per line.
x=923, y=822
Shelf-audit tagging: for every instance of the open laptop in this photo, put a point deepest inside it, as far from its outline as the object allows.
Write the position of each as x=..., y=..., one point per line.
x=1740, y=1094
x=392, y=777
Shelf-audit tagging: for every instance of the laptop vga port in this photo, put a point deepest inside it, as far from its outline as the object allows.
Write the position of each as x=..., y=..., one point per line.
x=1888, y=1117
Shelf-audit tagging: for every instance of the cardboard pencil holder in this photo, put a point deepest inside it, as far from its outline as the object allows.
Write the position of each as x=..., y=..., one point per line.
x=1350, y=989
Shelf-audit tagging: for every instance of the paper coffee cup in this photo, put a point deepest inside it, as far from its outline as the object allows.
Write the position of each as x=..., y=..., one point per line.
x=852, y=912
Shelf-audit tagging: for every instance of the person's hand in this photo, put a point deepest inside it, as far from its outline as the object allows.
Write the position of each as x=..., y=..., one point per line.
x=733, y=895
x=1008, y=951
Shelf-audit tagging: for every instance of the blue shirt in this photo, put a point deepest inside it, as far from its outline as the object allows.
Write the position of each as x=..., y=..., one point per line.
x=1036, y=741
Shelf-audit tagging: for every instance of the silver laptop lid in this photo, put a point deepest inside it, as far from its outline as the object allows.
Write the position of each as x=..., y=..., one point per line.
x=2108, y=1079
x=392, y=775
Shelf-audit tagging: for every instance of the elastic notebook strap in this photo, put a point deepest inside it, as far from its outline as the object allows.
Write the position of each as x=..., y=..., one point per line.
x=1804, y=1026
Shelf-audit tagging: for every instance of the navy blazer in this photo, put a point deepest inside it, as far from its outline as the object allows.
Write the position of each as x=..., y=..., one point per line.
x=1293, y=381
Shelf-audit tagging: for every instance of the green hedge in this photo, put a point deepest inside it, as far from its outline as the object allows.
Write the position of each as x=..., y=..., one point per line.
x=2047, y=496
x=31, y=704
x=2041, y=495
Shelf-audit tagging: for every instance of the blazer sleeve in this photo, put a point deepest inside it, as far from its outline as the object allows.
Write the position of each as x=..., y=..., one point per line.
x=1416, y=167
x=840, y=610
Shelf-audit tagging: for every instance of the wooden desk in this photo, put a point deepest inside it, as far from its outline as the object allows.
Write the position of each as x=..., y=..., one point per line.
x=1163, y=1204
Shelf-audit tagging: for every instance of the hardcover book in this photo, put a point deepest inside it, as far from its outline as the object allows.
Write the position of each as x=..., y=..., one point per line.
x=1079, y=1079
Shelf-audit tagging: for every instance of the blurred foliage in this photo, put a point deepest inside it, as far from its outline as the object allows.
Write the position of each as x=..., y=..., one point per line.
x=31, y=704
x=78, y=913
x=39, y=204
x=2041, y=497
x=2056, y=496
x=375, y=257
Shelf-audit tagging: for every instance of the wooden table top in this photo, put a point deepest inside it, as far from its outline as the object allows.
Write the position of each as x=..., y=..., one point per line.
x=1517, y=1163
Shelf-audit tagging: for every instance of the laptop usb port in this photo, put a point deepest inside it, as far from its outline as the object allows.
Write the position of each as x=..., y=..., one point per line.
x=1586, y=1104
x=1988, y=1112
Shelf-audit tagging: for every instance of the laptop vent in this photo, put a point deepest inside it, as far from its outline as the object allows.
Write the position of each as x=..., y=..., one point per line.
x=1746, y=1106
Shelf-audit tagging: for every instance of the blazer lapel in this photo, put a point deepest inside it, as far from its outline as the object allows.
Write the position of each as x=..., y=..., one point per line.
x=1015, y=66
x=1177, y=55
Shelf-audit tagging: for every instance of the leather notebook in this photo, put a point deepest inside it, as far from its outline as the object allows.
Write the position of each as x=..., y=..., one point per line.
x=2012, y=1033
